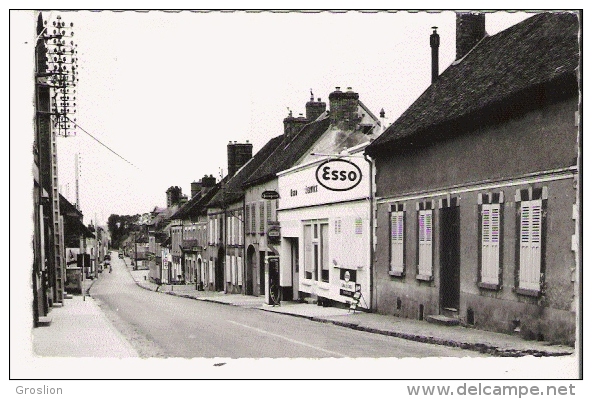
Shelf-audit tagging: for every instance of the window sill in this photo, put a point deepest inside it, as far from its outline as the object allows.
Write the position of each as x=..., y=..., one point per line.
x=527, y=292
x=424, y=277
x=324, y=286
x=396, y=273
x=489, y=286
x=308, y=283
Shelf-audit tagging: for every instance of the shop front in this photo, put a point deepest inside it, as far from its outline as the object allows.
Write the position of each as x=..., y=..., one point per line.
x=324, y=214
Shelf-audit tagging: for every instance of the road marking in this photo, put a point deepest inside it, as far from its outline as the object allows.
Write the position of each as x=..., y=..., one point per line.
x=289, y=339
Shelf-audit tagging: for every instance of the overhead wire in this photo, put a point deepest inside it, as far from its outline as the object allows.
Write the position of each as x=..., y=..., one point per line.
x=100, y=142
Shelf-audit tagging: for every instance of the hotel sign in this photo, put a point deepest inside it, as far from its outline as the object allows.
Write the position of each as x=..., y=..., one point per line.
x=338, y=175
x=270, y=195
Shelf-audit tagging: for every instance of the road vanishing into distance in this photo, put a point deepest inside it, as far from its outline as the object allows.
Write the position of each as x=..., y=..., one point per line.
x=160, y=325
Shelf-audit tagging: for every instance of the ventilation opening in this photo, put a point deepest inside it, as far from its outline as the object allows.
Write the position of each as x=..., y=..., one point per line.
x=420, y=312
x=398, y=303
x=470, y=317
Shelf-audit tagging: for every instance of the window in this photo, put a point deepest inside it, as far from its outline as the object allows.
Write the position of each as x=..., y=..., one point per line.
x=397, y=240
x=490, y=240
x=316, y=251
x=531, y=239
x=425, y=247
x=228, y=230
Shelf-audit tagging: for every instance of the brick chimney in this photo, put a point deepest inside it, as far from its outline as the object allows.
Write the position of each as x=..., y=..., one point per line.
x=344, y=109
x=238, y=155
x=435, y=45
x=207, y=183
x=293, y=125
x=195, y=188
x=314, y=109
x=174, y=194
x=470, y=28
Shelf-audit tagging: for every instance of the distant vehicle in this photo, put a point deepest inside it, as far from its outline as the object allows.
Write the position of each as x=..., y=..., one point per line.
x=120, y=256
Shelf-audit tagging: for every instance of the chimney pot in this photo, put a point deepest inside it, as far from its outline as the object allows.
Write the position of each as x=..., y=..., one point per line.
x=435, y=45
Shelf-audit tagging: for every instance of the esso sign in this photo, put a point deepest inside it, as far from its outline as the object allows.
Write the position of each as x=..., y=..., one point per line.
x=338, y=175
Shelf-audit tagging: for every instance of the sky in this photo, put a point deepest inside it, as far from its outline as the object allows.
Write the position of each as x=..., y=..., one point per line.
x=168, y=91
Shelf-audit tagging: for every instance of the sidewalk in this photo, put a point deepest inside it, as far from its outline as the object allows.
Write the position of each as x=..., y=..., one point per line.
x=80, y=329
x=496, y=344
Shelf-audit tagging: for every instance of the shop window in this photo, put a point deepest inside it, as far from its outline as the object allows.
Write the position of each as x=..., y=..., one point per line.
x=397, y=240
x=531, y=205
x=490, y=240
x=316, y=251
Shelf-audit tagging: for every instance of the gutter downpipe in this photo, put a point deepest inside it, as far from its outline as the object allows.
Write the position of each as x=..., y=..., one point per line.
x=371, y=222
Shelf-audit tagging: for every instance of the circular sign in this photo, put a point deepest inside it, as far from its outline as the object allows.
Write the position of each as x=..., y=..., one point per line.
x=346, y=276
x=338, y=175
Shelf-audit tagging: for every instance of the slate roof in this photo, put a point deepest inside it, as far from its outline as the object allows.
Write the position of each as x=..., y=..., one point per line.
x=529, y=63
x=196, y=204
x=233, y=190
x=287, y=154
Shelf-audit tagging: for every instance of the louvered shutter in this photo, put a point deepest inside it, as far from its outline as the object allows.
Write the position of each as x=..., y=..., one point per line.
x=425, y=242
x=397, y=241
x=247, y=219
x=530, y=244
x=490, y=243
x=227, y=269
x=239, y=265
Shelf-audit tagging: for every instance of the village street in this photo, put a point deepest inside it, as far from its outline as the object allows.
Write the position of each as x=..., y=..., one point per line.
x=160, y=325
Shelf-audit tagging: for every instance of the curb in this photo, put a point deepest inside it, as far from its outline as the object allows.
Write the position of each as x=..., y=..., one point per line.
x=477, y=347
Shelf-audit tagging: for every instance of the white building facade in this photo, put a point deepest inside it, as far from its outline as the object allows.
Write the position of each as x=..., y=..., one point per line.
x=325, y=217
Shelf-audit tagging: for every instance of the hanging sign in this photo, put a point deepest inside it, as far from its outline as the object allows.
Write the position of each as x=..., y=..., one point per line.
x=338, y=175
x=270, y=195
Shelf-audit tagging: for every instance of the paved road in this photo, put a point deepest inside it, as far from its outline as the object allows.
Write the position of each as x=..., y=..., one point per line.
x=160, y=325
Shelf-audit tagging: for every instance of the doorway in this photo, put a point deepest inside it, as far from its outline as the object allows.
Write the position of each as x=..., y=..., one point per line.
x=450, y=256
x=261, y=272
x=295, y=264
x=219, y=275
x=250, y=270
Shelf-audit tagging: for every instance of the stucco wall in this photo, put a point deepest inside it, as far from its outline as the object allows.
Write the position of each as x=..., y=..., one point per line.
x=540, y=141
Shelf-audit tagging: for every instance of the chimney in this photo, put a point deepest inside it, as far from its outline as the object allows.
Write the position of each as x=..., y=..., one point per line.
x=173, y=195
x=314, y=109
x=293, y=125
x=435, y=45
x=344, y=108
x=207, y=183
x=470, y=28
x=195, y=188
x=238, y=155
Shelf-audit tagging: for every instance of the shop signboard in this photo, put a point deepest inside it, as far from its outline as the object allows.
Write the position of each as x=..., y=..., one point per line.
x=270, y=195
x=338, y=175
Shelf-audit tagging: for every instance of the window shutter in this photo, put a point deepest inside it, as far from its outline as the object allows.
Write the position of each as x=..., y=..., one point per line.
x=253, y=219
x=239, y=265
x=490, y=237
x=425, y=242
x=228, y=269
x=211, y=271
x=530, y=244
x=397, y=241
x=262, y=217
x=247, y=219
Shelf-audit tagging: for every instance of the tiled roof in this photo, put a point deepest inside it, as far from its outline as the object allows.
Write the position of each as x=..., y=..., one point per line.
x=528, y=63
x=196, y=204
x=233, y=190
x=287, y=154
